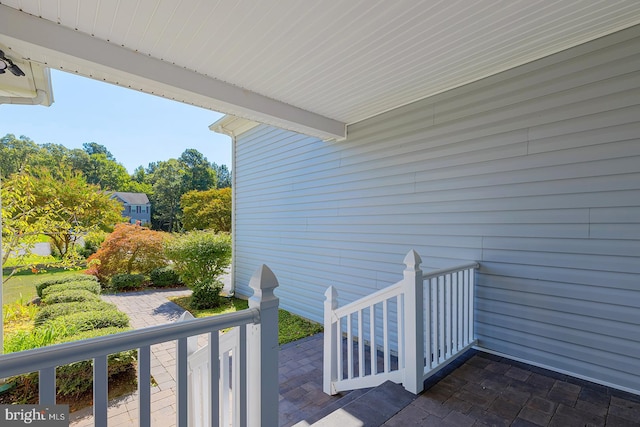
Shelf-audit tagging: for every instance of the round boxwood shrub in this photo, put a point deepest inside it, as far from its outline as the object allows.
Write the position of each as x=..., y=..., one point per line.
x=206, y=295
x=125, y=282
x=52, y=311
x=88, y=320
x=70, y=296
x=78, y=277
x=165, y=276
x=88, y=285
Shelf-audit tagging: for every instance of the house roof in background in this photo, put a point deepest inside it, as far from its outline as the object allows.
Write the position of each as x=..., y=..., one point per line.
x=132, y=198
x=312, y=67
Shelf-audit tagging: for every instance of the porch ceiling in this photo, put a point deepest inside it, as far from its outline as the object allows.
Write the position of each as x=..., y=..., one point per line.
x=313, y=67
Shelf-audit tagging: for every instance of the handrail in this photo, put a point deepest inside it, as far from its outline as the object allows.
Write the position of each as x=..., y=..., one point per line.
x=442, y=271
x=380, y=295
x=61, y=354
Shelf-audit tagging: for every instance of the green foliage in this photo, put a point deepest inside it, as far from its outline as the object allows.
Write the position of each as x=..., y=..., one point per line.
x=291, y=327
x=53, y=311
x=87, y=285
x=88, y=320
x=92, y=242
x=74, y=379
x=199, y=256
x=128, y=249
x=125, y=281
x=207, y=210
x=80, y=208
x=206, y=294
x=78, y=277
x=165, y=276
x=43, y=336
x=70, y=296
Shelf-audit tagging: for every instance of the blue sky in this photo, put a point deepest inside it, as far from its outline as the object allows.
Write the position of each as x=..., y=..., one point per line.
x=136, y=127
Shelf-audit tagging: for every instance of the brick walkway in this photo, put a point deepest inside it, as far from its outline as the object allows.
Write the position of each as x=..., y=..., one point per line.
x=146, y=308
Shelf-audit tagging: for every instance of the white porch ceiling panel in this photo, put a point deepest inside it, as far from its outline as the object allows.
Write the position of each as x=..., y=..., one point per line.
x=310, y=66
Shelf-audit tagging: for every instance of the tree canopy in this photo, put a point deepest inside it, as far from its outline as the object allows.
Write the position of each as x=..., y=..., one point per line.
x=164, y=181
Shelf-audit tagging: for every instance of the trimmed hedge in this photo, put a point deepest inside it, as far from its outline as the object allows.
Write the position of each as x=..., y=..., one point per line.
x=88, y=285
x=70, y=296
x=77, y=378
x=165, y=276
x=64, y=279
x=88, y=320
x=52, y=311
x=123, y=282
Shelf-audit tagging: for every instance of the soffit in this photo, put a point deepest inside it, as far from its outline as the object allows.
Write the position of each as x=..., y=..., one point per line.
x=341, y=60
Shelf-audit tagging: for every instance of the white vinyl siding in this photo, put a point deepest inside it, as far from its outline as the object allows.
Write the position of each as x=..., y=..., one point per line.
x=534, y=172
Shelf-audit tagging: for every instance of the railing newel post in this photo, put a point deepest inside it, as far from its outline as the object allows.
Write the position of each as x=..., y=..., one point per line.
x=413, y=323
x=262, y=351
x=330, y=356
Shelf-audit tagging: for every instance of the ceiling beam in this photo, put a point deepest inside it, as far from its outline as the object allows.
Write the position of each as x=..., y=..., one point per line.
x=223, y=97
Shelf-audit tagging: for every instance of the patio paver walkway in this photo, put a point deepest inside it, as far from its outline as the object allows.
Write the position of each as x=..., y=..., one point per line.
x=477, y=390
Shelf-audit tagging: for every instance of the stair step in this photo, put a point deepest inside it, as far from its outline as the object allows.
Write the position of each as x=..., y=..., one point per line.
x=371, y=408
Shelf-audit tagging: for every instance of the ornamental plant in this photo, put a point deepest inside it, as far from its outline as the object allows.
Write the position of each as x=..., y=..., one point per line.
x=129, y=249
x=200, y=257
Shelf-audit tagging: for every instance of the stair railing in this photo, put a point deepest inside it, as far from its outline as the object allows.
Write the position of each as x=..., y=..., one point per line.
x=404, y=333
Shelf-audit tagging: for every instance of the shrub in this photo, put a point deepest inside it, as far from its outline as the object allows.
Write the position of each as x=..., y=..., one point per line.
x=53, y=311
x=129, y=249
x=64, y=279
x=88, y=285
x=92, y=242
x=165, y=276
x=123, y=282
x=77, y=378
x=200, y=257
x=206, y=295
x=70, y=296
x=88, y=320
x=36, y=338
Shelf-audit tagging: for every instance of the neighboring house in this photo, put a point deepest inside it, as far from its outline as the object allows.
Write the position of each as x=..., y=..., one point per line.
x=135, y=207
x=505, y=133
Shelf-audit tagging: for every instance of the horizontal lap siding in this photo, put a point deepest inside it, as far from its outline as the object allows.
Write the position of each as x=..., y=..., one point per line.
x=534, y=172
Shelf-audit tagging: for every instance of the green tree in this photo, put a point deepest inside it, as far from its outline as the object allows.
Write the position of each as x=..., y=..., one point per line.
x=199, y=175
x=223, y=175
x=77, y=208
x=93, y=148
x=15, y=154
x=168, y=186
x=207, y=210
x=23, y=219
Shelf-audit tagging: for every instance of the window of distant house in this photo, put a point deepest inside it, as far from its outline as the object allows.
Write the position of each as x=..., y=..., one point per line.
x=128, y=209
x=138, y=209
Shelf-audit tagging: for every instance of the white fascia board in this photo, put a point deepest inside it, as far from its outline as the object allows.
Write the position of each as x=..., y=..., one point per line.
x=224, y=97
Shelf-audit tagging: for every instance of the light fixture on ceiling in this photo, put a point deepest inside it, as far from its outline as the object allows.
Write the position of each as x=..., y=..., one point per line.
x=6, y=63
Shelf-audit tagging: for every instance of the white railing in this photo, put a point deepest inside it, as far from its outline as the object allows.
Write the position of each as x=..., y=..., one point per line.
x=404, y=333
x=254, y=401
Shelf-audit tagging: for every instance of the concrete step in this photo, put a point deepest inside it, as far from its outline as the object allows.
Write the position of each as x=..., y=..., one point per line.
x=372, y=407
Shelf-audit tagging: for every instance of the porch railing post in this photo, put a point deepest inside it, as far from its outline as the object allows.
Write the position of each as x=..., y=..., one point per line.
x=330, y=359
x=262, y=351
x=413, y=323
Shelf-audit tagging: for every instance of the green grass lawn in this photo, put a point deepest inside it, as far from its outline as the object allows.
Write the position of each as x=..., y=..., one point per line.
x=291, y=327
x=22, y=285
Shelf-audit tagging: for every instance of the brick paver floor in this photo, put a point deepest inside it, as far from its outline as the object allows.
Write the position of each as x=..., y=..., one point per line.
x=477, y=390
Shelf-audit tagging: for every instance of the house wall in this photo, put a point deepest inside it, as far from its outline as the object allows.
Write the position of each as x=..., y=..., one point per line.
x=534, y=172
